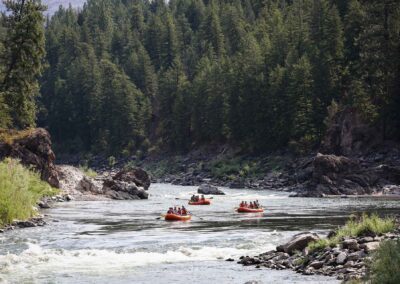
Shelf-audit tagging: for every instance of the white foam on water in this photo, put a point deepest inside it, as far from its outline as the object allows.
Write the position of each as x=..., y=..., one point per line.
x=37, y=260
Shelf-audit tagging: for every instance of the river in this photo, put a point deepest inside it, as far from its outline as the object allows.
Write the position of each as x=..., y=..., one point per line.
x=124, y=242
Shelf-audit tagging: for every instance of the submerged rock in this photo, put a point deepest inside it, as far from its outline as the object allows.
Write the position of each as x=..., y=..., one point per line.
x=209, y=190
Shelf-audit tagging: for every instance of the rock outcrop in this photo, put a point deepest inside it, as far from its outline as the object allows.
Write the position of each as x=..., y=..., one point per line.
x=348, y=134
x=33, y=148
x=127, y=184
x=339, y=175
x=209, y=190
x=124, y=185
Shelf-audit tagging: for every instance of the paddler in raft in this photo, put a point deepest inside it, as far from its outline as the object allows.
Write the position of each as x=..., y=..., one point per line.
x=180, y=211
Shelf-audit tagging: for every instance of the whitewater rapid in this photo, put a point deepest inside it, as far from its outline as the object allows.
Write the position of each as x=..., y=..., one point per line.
x=126, y=242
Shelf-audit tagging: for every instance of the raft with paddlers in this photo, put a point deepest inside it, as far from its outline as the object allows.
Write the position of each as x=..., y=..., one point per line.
x=253, y=207
x=177, y=217
x=200, y=202
x=250, y=210
x=197, y=200
x=177, y=214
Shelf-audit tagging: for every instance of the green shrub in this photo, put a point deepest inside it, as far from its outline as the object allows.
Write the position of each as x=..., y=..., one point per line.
x=20, y=190
x=385, y=266
x=366, y=224
x=355, y=228
x=88, y=171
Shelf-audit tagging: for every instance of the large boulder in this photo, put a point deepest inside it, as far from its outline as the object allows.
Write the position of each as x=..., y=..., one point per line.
x=298, y=242
x=127, y=184
x=33, y=148
x=137, y=176
x=209, y=190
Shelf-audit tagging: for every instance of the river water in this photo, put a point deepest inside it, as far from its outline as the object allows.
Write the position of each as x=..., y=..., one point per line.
x=124, y=242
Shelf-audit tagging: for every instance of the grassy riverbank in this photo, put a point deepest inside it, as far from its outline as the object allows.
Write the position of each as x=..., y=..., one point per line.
x=20, y=191
x=372, y=224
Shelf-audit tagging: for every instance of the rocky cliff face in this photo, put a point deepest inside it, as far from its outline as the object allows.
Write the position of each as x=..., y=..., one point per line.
x=348, y=134
x=354, y=161
x=33, y=148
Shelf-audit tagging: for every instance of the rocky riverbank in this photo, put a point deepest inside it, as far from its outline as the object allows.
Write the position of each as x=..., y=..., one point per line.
x=351, y=160
x=346, y=261
x=126, y=184
x=38, y=221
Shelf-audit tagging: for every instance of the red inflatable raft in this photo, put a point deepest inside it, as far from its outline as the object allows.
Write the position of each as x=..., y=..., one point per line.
x=200, y=202
x=176, y=217
x=249, y=210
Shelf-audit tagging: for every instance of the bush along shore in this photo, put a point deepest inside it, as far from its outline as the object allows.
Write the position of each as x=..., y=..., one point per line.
x=357, y=251
x=20, y=194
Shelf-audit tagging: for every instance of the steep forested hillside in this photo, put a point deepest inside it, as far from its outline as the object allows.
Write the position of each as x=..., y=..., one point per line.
x=124, y=76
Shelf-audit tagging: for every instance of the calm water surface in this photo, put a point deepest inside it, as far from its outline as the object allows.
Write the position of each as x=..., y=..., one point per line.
x=123, y=242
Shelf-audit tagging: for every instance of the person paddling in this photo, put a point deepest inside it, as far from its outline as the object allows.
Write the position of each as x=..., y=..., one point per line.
x=184, y=211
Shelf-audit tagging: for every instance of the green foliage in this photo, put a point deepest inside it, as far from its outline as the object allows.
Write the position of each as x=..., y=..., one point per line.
x=385, y=264
x=88, y=171
x=112, y=161
x=257, y=74
x=22, y=58
x=355, y=228
x=20, y=190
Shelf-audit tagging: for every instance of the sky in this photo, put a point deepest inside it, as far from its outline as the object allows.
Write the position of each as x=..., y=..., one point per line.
x=54, y=4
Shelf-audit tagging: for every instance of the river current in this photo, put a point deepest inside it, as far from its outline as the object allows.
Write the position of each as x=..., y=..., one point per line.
x=126, y=242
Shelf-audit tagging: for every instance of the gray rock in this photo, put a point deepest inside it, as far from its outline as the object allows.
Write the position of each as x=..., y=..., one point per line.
x=44, y=205
x=356, y=255
x=298, y=242
x=209, y=190
x=350, y=244
x=24, y=224
x=349, y=264
x=366, y=240
x=368, y=247
x=341, y=258
x=316, y=264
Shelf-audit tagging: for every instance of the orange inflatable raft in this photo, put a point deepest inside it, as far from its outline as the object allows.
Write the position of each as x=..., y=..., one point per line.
x=249, y=210
x=176, y=217
x=200, y=202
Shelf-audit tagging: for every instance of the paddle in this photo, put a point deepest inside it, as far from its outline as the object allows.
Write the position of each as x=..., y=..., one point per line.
x=162, y=216
x=177, y=198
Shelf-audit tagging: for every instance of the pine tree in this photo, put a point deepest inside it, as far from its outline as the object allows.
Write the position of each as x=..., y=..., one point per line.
x=326, y=57
x=23, y=59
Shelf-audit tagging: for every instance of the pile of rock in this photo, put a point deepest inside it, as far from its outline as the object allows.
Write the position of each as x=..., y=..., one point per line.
x=123, y=185
x=345, y=261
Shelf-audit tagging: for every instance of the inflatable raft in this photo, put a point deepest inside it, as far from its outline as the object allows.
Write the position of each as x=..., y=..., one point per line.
x=176, y=217
x=200, y=202
x=249, y=210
